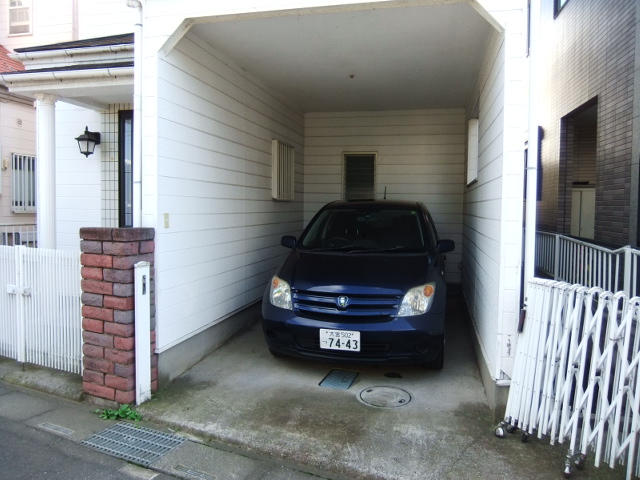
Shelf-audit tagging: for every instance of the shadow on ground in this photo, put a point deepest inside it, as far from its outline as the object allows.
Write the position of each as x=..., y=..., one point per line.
x=241, y=396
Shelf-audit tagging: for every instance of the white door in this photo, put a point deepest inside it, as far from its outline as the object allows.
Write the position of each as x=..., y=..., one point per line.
x=583, y=209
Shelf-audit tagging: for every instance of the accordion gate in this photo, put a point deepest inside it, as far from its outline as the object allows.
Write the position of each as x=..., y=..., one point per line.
x=575, y=376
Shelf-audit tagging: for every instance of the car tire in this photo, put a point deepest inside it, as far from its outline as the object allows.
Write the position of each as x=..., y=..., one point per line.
x=438, y=362
x=276, y=354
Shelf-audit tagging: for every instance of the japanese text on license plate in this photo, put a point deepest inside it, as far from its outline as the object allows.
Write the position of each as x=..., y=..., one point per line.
x=340, y=340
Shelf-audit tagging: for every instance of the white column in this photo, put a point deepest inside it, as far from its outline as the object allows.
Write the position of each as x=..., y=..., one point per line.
x=46, y=170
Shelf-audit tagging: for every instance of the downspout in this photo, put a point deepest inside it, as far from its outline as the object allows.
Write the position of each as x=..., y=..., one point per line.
x=533, y=151
x=137, y=115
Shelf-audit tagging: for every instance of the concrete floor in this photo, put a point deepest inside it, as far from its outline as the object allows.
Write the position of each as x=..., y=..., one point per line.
x=438, y=424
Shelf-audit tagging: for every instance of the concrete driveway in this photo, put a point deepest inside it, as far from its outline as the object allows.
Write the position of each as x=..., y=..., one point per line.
x=404, y=423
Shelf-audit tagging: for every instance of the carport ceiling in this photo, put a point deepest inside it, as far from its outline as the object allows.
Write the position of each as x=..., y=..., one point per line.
x=393, y=58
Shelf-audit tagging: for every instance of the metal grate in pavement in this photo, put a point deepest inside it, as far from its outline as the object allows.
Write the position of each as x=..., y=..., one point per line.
x=133, y=443
x=340, y=379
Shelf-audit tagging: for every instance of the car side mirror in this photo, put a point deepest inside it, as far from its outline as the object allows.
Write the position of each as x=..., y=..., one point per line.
x=445, y=246
x=288, y=241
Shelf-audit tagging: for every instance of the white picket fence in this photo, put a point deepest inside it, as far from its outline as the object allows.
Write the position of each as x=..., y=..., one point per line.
x=576, y=374
x=40, y=307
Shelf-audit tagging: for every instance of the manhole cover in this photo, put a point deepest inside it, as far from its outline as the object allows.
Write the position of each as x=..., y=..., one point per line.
x=385, y=397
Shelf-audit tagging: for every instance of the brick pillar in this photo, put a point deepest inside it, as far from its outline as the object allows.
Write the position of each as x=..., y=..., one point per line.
x=108, y=311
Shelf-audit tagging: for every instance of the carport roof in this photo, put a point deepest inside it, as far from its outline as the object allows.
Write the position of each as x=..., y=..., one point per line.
x=355, y=57
x=376, y=56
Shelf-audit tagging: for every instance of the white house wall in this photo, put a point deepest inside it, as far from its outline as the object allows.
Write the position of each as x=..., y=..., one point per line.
x=102, y=18
x=420, y=156
x=78, y=178
x=493, y=211
x=17, y=135
x=52, y=22
x=481, y=269
x=218, y=233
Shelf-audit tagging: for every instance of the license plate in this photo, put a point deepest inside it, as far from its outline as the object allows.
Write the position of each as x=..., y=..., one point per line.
x=340, y=340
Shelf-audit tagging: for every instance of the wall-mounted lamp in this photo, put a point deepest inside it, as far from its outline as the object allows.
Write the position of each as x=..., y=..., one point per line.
x=87, y=141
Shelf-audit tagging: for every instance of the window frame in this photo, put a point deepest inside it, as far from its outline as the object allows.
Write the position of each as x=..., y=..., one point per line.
x=345, y=174
x=23, y=183
x=125, y=175
x=25, y=5
x=283, y=168
x=558, y=5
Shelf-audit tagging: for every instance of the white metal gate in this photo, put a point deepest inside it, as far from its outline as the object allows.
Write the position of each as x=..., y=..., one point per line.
x=40, y=307
x=576, y=374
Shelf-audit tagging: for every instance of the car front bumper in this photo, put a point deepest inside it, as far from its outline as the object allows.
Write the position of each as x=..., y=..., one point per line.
x=392, y=340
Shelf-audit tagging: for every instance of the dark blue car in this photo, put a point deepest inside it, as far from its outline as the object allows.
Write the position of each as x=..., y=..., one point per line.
x=364, y=283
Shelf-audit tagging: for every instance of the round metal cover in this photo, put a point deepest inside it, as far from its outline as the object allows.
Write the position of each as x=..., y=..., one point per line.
x=385, y=397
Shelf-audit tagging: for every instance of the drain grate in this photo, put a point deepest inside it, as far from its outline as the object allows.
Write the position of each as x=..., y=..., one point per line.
x=340, y=379
x=138, y=445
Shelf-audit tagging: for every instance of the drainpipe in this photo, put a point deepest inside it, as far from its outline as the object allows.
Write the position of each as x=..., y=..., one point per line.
x=137, y=115
x=533, y=147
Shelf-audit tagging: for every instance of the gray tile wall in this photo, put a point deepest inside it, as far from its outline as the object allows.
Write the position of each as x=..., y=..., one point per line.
x=588, y=52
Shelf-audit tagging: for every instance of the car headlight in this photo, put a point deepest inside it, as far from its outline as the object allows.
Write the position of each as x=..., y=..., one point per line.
x=280, y=294
x=417, y=301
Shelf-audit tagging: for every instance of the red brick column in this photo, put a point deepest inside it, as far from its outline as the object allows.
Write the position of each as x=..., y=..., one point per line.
x=108, y=311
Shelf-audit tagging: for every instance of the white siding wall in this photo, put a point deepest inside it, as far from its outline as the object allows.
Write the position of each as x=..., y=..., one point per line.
x=102, y=18
x=420, y=156
x=493, y=211
x=52, y=22
x=17, y=135
x=78, y=178
x=483, y=208
x=221, y=244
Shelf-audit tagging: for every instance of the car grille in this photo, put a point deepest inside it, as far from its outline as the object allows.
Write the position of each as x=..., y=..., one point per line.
x=359, y=308
x=367, y=349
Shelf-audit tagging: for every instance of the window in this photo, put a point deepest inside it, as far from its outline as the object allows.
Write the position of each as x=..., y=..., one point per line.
x=283, y=170
x=125, y=168
x=472, y=151
x=359, y=176
x=23, y=183
x=19, y=17
x=559, y=5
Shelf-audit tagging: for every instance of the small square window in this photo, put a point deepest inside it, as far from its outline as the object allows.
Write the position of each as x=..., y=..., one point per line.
x=359, y=176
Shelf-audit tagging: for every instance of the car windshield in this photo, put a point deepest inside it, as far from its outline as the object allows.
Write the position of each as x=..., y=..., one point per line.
x=365, y=230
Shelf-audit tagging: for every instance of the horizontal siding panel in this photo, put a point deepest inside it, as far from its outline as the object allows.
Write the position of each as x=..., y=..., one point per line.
x=457, y=128
x=369, y=141
x=420, y=156
x=215, y=127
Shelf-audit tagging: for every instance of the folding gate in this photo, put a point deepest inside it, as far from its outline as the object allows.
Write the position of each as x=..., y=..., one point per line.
x=576, y=373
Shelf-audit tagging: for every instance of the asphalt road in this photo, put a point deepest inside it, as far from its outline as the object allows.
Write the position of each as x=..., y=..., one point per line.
x=30, y=453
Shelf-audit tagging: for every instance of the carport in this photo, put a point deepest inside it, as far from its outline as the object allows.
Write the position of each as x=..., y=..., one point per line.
x=399, y=79
x=215, y=85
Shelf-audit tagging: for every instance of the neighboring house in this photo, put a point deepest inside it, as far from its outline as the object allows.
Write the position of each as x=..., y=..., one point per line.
x=589, y=114
x=17, y=162
x=432, y=95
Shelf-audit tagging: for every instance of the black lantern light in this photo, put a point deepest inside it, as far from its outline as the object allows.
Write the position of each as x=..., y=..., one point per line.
x=87, y=141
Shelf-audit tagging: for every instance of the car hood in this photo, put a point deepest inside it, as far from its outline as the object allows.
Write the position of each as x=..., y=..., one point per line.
x=355, y=273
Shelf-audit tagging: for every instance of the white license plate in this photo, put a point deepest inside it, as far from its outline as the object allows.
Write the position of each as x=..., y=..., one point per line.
x=340, y=340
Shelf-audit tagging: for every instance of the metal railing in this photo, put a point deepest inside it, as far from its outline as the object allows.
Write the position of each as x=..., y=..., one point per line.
x=571, y=260
x=13, y=234
x=576, y=376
